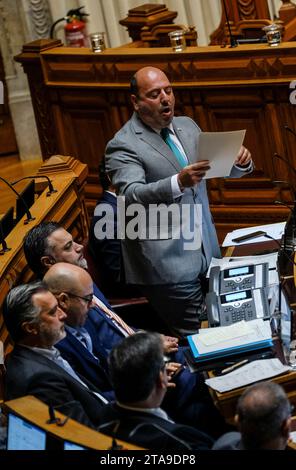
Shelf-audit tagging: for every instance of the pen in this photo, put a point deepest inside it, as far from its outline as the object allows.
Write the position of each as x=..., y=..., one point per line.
x=231, y=368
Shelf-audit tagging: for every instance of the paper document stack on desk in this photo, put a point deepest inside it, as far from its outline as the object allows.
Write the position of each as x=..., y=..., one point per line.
x=250, y=373
x=240, y=337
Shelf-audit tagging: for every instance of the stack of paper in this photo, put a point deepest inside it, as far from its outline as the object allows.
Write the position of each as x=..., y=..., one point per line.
x=213, y=343
x=250, y=373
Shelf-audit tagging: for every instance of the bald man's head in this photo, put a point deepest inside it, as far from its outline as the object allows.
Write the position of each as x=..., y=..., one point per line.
x=152, y=97
x=73, y=288
x=263, y=413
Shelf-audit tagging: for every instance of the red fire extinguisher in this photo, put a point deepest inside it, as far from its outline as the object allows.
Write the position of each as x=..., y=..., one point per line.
x=75, y=28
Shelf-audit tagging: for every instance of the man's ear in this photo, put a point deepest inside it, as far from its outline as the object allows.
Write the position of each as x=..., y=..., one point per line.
x=30, y=328
x=134, y=101
x=47, y=261
x=63, y=301
x=236, y=420
x=286, y=427
x=163, y=379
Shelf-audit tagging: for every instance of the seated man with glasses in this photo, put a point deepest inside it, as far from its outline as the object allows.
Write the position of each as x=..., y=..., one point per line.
x=73, y=288
x=187, y=400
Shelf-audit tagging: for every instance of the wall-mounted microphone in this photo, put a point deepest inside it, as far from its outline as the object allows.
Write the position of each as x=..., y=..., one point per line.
x=286, y=205
x=115, y=424
x=53, y=419
x=276, y=155
x=290, y=130
x=290, y=229
x=233, y=41
x=2, y=241
x=50, y=185
x=27, y=210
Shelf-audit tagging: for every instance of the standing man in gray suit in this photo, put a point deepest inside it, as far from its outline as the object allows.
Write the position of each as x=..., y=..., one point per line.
x=152, y=161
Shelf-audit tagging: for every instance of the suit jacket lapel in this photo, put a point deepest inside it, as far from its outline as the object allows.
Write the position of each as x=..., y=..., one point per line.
x=151, y=138
x=44, y=361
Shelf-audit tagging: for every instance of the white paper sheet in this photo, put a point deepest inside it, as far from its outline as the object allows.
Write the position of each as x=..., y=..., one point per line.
x=253, y=372
x=274, y=230
x=221, y=149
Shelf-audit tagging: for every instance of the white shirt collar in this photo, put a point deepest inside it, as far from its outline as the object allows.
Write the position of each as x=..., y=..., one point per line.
x=153, y=411
x=170, y=127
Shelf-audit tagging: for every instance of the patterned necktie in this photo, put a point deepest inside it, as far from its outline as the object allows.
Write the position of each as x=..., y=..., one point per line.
x=121, y=323
x=165, y=134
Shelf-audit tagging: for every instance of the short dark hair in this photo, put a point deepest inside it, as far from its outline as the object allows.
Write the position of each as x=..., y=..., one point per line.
x=18, y=308
x=36, y=245
x=134, y=366
x=134, y=89
x=262, y=409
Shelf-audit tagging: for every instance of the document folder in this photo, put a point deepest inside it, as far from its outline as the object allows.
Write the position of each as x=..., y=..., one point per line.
x=241, y=337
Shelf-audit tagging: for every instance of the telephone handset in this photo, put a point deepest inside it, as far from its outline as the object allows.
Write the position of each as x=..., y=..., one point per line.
x=229, y=308
x=237, y=278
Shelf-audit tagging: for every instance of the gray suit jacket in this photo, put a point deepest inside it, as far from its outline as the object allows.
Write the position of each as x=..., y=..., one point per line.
x=141, y=165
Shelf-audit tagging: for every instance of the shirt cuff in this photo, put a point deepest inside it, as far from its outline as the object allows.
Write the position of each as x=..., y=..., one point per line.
x=244, y=167
x=176, y=191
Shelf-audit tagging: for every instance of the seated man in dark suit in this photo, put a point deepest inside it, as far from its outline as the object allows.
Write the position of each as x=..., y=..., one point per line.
x=47, y=244
x=263, y=419
x=106, y=251
x=138, y=374
x=187, y=401
x=81, y=347
x=35, y=367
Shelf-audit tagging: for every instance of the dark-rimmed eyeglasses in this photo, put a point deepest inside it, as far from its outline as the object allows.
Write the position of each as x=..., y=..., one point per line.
x=87, y=298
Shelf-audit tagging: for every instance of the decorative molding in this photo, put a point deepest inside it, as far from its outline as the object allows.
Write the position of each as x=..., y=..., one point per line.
x=41, y=18
x=234, y=66
x=247, y=9
x=6, y=44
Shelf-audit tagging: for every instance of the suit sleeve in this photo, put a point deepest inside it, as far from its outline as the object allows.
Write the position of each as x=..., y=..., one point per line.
x=56, y=393
x=127, y=171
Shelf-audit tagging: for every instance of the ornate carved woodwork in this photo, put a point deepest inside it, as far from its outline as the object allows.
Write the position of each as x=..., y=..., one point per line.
x=149, y=15
x=242, y=14
x=287, y=11
x=87, y=98
x=158, y=35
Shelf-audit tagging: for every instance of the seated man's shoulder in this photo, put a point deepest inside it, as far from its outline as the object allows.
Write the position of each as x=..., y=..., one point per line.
x=229, y=441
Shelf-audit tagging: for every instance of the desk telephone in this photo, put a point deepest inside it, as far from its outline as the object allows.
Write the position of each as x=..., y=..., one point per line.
x=238, y=293
x=238, y=278
x=225, y=309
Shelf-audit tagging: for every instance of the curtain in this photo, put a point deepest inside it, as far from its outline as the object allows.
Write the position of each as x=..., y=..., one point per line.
x=205, y=15
x=105, y=15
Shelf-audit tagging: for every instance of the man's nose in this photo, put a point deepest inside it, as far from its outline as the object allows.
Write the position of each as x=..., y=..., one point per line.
x=78, y=247
x=164, y=96
x=62, y=314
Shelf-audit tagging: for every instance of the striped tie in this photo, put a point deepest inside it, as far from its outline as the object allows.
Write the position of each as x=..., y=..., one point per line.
x=116, y=318
x=165, y=134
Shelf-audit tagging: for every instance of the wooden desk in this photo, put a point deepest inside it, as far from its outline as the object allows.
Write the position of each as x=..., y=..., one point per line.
x=226, y=402
x=36, y=412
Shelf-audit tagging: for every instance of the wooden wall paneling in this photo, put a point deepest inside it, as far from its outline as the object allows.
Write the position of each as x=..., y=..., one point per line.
x=221, y=89
x=66, y=206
